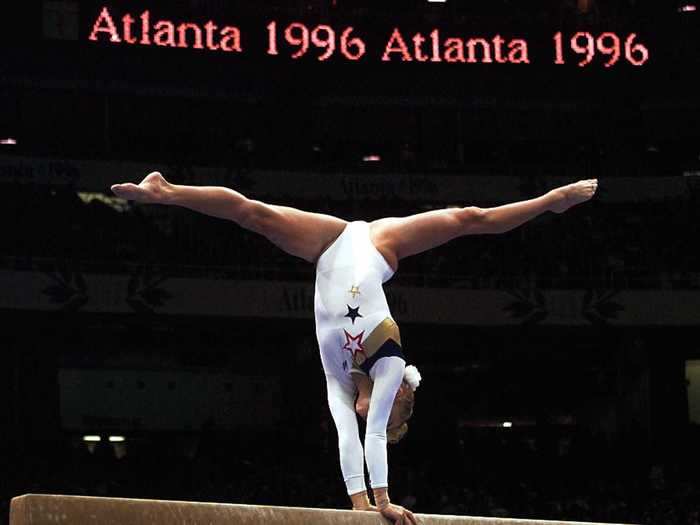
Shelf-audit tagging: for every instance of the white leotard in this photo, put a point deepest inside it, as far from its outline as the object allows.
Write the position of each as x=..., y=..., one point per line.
x=352, y=320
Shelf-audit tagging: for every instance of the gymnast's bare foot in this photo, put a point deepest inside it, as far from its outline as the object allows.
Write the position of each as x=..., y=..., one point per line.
x=570, y=195
x=153, y=189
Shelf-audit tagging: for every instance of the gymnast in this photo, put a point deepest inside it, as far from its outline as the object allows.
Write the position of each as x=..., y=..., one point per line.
x=358, y=339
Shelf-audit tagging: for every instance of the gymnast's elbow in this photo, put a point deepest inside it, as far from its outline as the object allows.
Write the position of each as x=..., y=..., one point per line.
x=258, y=217
x=362, y=408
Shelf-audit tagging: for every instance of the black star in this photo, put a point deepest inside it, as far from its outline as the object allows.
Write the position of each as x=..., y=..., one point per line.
x=353, y=313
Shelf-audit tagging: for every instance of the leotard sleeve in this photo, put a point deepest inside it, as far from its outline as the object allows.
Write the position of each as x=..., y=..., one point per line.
x=341, y=402
x=387, y=374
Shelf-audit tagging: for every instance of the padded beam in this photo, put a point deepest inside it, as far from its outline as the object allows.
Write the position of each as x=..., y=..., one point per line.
x=40, y=509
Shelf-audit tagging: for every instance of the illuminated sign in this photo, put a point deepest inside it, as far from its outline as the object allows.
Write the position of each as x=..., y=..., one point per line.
x=323, y=42
x=165, y=33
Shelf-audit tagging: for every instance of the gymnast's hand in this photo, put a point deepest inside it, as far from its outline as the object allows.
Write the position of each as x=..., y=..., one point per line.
x=398, y=515
x=153, y=189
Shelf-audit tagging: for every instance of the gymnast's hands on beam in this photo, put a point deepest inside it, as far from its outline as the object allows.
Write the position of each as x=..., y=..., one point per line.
x=360, y=501
x=395, y=513
x=398, y=515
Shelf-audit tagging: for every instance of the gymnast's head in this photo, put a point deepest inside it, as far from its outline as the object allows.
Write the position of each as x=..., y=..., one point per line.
x=401, y=412
x=402, y=408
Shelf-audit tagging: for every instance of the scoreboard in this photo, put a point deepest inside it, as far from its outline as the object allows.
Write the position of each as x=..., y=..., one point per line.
x=323, y=42
x=254, y=49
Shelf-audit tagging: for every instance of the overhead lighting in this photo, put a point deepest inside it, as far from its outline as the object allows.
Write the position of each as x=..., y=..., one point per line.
x=507, y=424
x=437, y=1
x=371, y=158
x=116, y=439
x=92, y=439
x=687, y=8
x=8, y=141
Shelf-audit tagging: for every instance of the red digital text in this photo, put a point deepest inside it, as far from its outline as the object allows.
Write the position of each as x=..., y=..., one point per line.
x=435, y=48
x=327, y=40
x=609, y=45
x=165, y=33
x=323, y=42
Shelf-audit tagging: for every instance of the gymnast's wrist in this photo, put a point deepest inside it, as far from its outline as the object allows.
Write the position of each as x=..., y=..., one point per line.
x=360, y=501
x=381, y=497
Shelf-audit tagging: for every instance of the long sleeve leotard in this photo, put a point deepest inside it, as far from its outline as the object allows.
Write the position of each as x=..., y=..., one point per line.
x=352, y=322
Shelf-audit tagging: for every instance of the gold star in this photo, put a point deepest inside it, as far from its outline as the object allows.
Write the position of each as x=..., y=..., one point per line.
x=354, y=290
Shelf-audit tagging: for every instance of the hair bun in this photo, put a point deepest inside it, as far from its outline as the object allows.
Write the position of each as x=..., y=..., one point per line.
x=412, y=376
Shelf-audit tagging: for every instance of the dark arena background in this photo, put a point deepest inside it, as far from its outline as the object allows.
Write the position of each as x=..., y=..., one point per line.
x=152, y=352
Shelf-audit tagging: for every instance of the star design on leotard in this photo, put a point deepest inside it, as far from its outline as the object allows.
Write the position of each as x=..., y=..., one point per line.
x=354, y=290
x=353, y=313
x=353, y=344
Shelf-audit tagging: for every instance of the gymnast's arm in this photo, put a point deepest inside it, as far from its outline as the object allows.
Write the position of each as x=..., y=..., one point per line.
x=299, y=233
x=340, y=402
x=387, y=375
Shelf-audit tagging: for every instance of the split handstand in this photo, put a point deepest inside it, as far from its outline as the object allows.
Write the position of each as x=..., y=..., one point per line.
x=359, y=340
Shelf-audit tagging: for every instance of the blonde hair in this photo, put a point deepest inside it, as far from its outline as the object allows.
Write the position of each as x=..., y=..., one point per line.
x=395, y=435
x=405, y=410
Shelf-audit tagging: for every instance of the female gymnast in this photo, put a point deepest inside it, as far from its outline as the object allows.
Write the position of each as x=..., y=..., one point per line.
x=358, y=339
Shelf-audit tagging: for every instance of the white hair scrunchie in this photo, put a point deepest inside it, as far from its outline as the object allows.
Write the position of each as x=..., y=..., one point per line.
x=412, y=376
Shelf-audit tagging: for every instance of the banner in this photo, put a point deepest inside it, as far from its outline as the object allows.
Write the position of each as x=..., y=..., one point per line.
x=294, y=300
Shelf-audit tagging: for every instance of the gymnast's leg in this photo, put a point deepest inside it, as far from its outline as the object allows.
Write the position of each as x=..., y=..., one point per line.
x=300, y=233
x=399, y=237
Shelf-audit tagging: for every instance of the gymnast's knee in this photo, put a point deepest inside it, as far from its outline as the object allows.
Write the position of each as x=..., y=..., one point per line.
x=472, y=219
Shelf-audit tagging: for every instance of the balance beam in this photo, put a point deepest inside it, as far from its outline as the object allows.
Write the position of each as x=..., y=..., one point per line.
x=41, y=509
